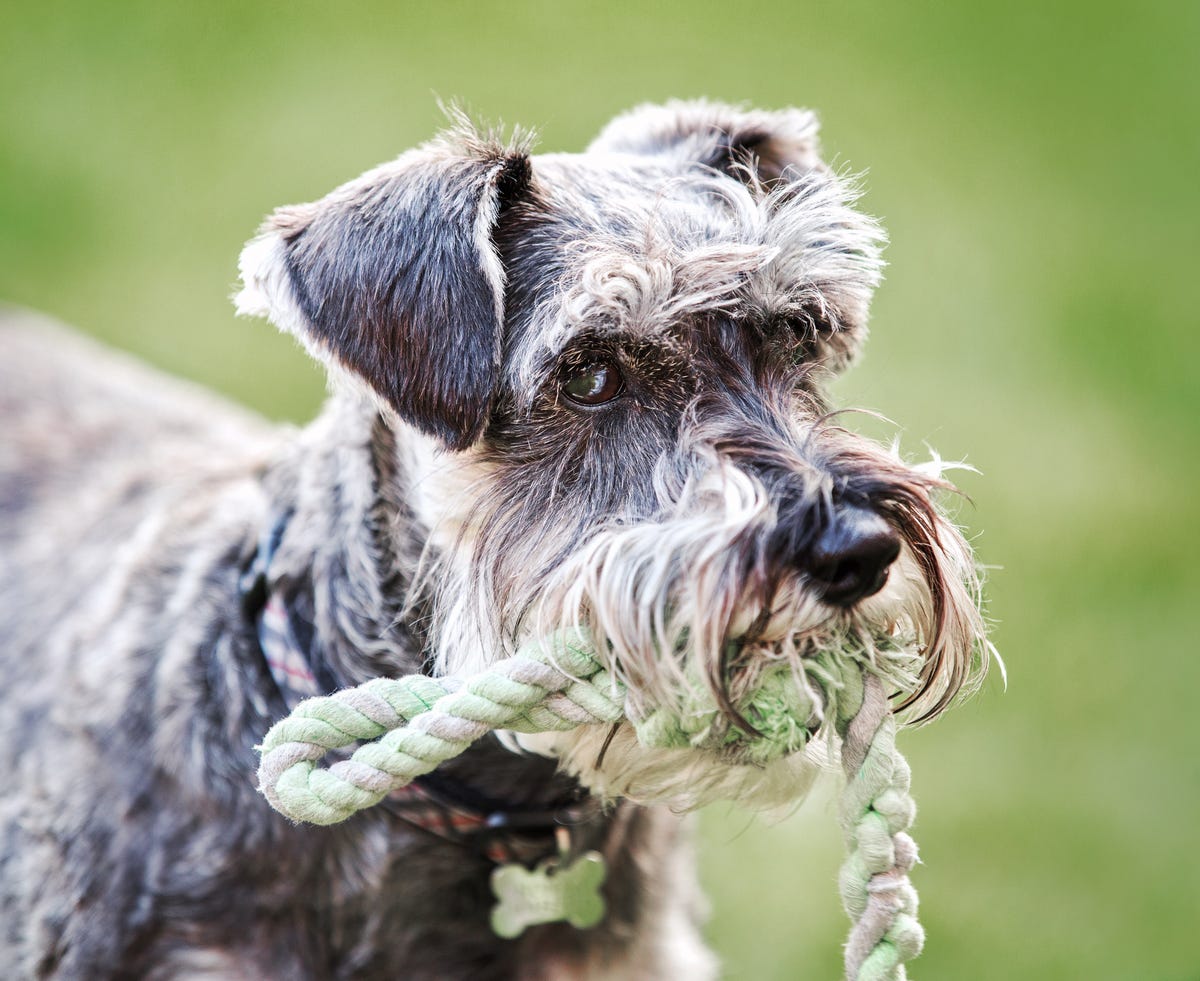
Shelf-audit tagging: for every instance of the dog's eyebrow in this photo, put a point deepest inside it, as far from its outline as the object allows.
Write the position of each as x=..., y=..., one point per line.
x=652, y=293
x=572, y=345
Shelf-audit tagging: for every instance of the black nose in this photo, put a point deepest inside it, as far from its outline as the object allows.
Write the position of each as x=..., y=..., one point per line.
x=851, y=558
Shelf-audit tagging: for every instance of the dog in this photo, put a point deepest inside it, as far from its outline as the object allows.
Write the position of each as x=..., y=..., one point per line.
x=566, y=389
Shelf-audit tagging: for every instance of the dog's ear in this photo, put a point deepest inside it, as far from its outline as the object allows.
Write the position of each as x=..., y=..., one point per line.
x=772, y=145
x=828, y=261
x=395, y=278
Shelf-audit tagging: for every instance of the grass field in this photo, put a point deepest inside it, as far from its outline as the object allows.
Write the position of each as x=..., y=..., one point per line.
x=1036, y=165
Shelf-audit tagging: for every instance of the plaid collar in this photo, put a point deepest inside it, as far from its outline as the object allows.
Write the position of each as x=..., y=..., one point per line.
x=433, y=803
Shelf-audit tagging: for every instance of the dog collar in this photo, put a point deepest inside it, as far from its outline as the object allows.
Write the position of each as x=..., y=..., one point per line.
x=507, y=835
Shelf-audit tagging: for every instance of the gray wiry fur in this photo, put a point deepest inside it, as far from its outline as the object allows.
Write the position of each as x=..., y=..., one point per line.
x=450, y=503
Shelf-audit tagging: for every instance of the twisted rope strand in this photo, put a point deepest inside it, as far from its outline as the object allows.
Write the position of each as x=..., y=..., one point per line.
x=419, y=722
x=876, y=813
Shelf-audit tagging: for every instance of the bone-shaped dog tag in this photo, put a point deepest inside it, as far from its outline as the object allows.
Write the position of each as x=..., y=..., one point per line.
x=550, y=892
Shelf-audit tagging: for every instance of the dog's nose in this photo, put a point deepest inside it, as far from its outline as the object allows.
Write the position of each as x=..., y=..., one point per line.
x=850, y=560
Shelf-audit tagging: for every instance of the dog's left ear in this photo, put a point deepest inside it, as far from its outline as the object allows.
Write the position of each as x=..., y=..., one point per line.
x=395, y=278
x=773, y=145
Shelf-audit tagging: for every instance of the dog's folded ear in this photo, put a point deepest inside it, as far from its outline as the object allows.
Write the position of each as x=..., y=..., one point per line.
x=771, y=145
x=395, y=278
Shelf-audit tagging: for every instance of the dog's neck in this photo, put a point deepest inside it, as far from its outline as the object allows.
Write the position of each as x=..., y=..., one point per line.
x=336, y=491
x=339, y=503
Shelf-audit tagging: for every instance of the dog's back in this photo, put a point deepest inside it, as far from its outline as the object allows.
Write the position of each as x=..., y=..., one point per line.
x=72, y=410
x=94, y=445
x=102, y=461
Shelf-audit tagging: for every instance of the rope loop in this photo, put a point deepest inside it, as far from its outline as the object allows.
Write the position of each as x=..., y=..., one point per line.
x=415, y=723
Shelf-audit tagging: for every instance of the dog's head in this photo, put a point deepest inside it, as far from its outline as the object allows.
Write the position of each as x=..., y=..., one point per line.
x=611, y=365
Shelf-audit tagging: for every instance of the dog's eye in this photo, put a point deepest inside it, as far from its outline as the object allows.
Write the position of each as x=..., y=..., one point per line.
x=594, y=384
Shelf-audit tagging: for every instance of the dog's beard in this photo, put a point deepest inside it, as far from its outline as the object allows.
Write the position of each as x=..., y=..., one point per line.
x=686, y=606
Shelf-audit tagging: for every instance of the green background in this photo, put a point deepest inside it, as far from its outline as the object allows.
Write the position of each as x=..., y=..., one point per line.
x=1036, y=166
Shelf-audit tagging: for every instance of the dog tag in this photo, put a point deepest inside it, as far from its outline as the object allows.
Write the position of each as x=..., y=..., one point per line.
x=550, y=892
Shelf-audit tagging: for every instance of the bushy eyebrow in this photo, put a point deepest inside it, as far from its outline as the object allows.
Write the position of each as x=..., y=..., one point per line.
x=652, y=293
x=795, y=261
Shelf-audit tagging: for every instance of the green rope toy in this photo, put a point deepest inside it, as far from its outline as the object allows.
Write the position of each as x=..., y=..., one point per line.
x=410, y=725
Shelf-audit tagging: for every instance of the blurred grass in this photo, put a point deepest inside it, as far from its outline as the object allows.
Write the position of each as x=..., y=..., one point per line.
x=1036, y=166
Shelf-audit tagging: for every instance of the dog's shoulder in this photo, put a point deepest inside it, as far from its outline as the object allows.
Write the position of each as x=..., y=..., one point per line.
x=47, y=367
x=68, y=400
x=93, y=440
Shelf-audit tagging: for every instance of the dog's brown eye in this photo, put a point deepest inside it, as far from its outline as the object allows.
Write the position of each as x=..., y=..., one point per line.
x=594, y=384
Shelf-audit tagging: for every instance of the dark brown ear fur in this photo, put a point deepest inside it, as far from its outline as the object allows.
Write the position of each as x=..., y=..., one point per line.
x=771, y=146
x=395, y=277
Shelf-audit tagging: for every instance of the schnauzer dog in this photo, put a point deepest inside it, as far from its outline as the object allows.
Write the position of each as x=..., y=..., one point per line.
x=566, y=390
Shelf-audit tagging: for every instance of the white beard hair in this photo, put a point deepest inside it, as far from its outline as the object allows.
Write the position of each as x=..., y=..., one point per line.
x=612, y=763
x=682, y=779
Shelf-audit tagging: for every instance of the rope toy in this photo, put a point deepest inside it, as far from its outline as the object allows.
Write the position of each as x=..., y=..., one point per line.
x=408, y=726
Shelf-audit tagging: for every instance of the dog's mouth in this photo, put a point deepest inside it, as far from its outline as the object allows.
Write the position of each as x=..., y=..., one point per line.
x=760, y=742
x=742, y=669
x=774, y=694
x=750, y=684
x=729, y=692
x=723, y=636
